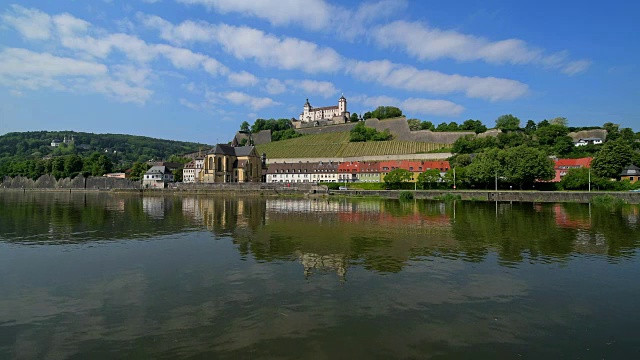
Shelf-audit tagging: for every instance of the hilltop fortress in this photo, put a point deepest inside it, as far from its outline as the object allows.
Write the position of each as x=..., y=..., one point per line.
x=322, y=116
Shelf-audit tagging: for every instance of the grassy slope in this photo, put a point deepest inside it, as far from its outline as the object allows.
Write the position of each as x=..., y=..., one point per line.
x=338, y=145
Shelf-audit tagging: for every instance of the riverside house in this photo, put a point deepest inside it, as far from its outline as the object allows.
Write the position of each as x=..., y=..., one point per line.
x=157, y=177
x=562, y=166
x=322, y=171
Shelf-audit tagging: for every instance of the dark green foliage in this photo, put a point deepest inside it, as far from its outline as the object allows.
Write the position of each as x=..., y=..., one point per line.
x=508, y=123
x=244, y=126
x=406, y=196
x=427, y=125
x=284, y=135
x=362, y=133
x=428, y=178
x=470, y=144
x=473, y=125
x=138, y=170
x=385, y=112
x=531, y=127
x=22, y=153
x=271, y=124
x=395, y=178
x=414, y=124
x=612, y=159
x=281, y=129
x=354, y=117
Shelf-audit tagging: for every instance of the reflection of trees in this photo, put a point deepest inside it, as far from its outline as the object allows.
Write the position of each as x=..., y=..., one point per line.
x=62, y=217
x=380, y=235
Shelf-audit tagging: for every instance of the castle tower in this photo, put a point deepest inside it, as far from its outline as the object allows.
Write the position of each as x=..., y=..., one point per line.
x=342, y=105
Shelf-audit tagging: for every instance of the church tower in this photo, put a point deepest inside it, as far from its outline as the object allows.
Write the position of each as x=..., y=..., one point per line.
x=342, y=105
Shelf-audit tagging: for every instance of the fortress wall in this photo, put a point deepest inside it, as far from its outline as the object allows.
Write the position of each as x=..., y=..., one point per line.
x=401, y=132
x=429, y=156
x=326, y=129
x=598, y=133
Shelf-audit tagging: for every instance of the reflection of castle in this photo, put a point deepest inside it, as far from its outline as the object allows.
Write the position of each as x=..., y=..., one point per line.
x=153, y=206
x=334, y=262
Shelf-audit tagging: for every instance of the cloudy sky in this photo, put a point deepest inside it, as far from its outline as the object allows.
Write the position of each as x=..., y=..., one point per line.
x=195, y=69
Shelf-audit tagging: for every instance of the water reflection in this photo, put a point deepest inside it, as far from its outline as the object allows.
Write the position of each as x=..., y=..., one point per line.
x=306, y=278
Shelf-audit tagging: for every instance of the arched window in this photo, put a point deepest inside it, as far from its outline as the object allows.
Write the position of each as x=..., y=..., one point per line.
x=211, y=163
x=219, y=164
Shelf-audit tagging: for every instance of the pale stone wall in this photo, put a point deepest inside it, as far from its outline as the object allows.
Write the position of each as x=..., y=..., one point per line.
x=429, y=156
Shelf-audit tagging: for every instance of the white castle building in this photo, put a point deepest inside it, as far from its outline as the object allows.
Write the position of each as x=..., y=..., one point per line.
x=327, y=115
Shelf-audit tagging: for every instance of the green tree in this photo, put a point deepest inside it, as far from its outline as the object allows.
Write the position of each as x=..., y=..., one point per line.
x=427, y=125
x=562, y=121
x=575, y=179
x=362, y=133
x=414, y=124
x=473, y=125
x=547, y=135
x=138, y=170
x=524, y=165
x=428, y=177
x=354, y=117
x=508, y=123
x=244, y=126
x=612, y=159
x=386, y=112
x=72, y=165
x=613, y=131
x=395, y=178
x=563, y=145
x=367, y=115
x=484, y=169
x=531, y=127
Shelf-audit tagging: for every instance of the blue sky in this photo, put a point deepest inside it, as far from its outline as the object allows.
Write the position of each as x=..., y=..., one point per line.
x=193, y=70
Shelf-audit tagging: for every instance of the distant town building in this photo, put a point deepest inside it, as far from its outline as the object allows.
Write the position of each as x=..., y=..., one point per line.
x=562, y=166
x=302, y=172
x=55, y=142
x=191, y=171
x=631, y=173
x=157, y=177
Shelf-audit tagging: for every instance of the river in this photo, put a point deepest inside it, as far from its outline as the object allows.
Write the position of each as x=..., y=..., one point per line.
x=104, y=276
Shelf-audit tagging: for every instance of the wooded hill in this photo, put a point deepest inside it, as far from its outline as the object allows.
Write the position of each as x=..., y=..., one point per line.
x=121, y=150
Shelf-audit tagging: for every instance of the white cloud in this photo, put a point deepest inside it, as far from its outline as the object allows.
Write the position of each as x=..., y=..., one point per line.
x=68, y=25
x=240, y=98
x=21, y=62
x=249, y=43
x=412, y=105
x=33, y=24
x=428, y=43
x=409, y=78
x=275, y=86
x=21, y=68
x=312, y=87
x=576, y=67
x=283, y=53
x=242, y=79
x=316, y=15
x=312, y=14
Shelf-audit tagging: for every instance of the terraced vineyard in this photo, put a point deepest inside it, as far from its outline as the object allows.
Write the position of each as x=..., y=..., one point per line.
x=338, y=145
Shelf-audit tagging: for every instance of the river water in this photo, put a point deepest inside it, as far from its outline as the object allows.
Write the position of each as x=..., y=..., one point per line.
x=104, y=276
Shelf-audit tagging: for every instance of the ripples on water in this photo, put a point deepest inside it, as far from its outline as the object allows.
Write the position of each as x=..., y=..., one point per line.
x=101, y=275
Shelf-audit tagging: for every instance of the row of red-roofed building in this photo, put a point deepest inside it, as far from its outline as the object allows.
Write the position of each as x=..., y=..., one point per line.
x=348, y=171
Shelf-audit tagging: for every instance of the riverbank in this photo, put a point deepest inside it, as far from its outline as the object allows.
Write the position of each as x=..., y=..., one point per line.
x=307, y=191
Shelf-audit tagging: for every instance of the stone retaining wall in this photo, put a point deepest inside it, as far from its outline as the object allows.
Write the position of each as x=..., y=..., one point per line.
x=79, y=182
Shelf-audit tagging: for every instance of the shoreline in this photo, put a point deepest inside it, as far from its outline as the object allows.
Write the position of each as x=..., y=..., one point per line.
x=583, y=197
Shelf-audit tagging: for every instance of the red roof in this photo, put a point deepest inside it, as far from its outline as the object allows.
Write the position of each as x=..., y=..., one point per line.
x=563, y=165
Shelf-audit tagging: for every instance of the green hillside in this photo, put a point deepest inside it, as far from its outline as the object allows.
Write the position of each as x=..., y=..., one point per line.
x=338, y=145
x=122, y=150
